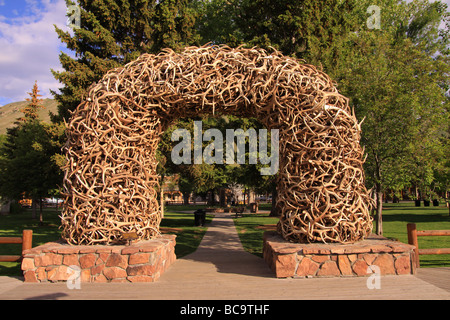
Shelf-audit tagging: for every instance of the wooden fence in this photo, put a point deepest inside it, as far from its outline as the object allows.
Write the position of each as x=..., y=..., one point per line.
x=413, y=233
x=26, y=240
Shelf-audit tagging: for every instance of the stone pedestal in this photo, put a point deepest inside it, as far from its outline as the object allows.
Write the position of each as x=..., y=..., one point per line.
x=288, y=259
x=143, y=261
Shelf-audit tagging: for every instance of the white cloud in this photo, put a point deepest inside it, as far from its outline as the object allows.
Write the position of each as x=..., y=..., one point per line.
x=29, y=49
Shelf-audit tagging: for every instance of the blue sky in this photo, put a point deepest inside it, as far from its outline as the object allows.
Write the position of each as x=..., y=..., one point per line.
x=18, y=8
x=29, y=46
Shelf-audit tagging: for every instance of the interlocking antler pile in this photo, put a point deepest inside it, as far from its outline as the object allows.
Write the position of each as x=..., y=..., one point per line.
x=110, y=176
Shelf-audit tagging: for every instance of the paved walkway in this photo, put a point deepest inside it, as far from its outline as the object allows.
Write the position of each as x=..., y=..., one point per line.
x=221, y=270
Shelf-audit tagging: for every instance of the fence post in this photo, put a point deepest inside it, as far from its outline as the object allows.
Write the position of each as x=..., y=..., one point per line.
x=27, y=239
x=412, y=240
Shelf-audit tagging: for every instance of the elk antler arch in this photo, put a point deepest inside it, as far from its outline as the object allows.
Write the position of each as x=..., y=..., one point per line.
x=110, y=175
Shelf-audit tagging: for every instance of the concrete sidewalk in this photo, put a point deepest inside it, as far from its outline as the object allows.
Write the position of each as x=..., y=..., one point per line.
x=221, y=270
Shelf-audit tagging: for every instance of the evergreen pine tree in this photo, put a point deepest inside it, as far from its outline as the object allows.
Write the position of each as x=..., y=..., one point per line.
x=306, y=29
x=30, y=111
x=29, y=161
x=113, y=33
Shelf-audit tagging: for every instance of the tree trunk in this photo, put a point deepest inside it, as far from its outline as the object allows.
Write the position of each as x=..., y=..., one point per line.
x=222, y=199
x=379, y=193
x=379, y=216
x=213, y=197
x=41, y=218
x=161, y=200
x=186, y=197
x=251, y=196
x=274, y=212
x=33, y=208
x=447, y=200
x=161, y=195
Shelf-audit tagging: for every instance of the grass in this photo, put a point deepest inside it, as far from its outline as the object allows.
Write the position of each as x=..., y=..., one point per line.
x=397, y=215
x=249, y=233
x=10, y=112
x=395, y=218
x=189, y=236
x=180, y=220
x=11, y=225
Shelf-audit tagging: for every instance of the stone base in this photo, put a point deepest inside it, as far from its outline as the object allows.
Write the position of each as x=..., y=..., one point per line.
x=288, y=259
x=143, y=261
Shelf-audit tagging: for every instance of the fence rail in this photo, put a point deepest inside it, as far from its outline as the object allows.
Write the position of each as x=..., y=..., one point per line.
x=26, y=240
x=413, y=233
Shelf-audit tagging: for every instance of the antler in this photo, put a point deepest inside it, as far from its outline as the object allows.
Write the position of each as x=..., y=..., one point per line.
x=110, y=176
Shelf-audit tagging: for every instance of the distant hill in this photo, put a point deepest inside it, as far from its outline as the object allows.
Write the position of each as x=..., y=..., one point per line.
x=10, y=112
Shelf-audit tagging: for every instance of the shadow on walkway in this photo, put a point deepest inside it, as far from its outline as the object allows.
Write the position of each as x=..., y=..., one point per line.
x=221, y=251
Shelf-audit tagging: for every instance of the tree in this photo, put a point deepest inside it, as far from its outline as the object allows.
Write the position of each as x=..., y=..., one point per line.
x=205, y=177
x=217, y=22
x=30, y=111
x=394, y=80
x=306, y=29
x=442, y=173
x=28, y=162
x=113, y=33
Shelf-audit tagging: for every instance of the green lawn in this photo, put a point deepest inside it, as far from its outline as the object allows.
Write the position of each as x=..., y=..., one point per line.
x=188, y=236
x=397, y=215
x=11, y=225
x=249, y=234
x=395, y=218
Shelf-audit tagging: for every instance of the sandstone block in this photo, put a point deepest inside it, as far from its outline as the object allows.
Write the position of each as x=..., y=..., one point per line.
x=71, y=260
x=328, y=268
x=139, y=270
x=386, y=263
x=48, y=259
x=116, y=260
x=320, y=258
x=114, y=273
x=307, y=267
x=30, y=276
x=88, y=260
x=27, y=263
x=360, y=267
x=403, y=265
x=140, y=279
x=59, y=273
x=344, y=265
x=285, y=265
x=139, y=258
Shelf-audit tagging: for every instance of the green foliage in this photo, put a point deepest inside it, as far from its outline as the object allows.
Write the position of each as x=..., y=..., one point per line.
x=294, y=27
x=201, y=178
x=26, y=165
x=395, y=76
x=29, y=165
x=113, y=33
x=31, y=109
x=217, y=22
